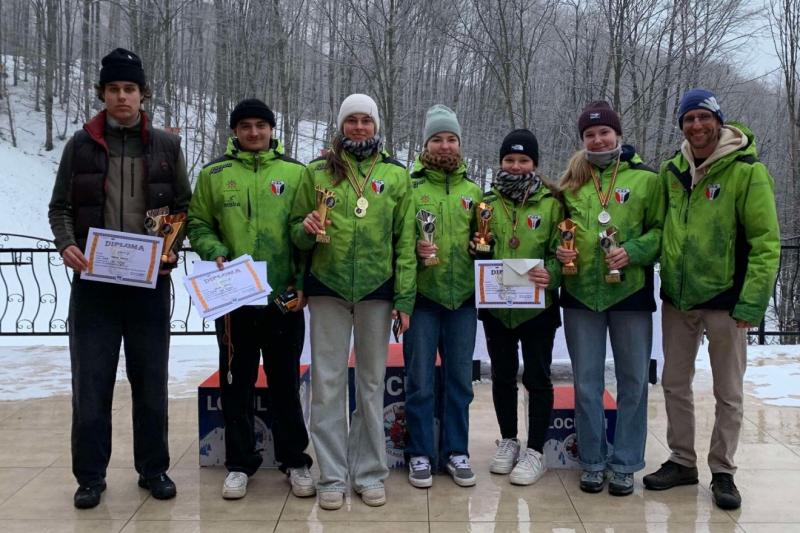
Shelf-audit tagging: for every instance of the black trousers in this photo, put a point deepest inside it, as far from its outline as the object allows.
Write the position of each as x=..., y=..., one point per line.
x=536, y=336
x=257, y=332
x=101, y=316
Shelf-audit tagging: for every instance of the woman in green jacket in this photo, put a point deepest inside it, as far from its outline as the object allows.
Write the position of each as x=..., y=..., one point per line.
x=617, y=206
x=525, y=226
x=361, y=270
x=444, y=314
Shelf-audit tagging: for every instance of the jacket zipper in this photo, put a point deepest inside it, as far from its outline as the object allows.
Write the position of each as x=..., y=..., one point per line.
x=132, y=180
x=688, y=200
x=122, y=183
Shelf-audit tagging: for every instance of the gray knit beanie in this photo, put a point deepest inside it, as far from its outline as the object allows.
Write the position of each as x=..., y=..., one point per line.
x=438, y=119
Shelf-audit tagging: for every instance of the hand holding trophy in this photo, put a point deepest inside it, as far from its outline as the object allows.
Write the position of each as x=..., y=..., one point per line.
x=484, y=217
x=325, y=200
x=427, y=225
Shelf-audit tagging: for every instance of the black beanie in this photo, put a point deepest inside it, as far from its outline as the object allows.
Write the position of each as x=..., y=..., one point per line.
x=122, y=65
x=520, y=142
x=598, y=113
x=252, y=108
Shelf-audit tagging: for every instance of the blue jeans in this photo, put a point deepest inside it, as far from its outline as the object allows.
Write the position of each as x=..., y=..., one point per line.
x=453, y=333
x=631, y=342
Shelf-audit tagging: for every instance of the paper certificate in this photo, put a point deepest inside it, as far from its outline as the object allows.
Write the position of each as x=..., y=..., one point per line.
x=217, y=292
x=490, y=292
x=123, y=258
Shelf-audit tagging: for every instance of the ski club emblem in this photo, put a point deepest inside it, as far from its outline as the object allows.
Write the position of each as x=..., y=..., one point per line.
x=467, y=202
x=621, y=195
x=534, y=221
x=712, y=191
x=378, y=186
x=231, y=185
x=277, y=187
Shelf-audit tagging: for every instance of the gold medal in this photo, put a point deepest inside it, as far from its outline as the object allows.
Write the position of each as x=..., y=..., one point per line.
x=362, y=202
x=360, y=213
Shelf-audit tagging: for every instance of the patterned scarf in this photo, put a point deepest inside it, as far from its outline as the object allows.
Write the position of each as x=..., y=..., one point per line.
x=515, y=187
x=363, y=149
x=447, y=163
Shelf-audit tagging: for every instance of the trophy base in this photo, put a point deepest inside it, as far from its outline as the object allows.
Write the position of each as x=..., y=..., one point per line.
x=569, y=270
x=615, y=277
x=323, y=239
x=483, y=248
x=430, y=261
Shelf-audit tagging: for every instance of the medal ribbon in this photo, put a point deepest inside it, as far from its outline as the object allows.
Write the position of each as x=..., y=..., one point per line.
x=513, y=217
x=604, y=198
x=359, y=188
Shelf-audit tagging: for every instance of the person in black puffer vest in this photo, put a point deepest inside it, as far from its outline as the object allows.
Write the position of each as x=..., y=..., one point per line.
x=111, y=172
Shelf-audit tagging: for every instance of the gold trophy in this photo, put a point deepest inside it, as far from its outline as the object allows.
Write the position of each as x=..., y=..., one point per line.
x=608, y=243
x=568, y=229
x=484, y=216
x=427, y=225
x=325, y=200
x=160, y=222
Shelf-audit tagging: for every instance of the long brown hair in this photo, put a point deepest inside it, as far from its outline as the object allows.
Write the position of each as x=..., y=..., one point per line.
x=334, y=162
x=579, y=171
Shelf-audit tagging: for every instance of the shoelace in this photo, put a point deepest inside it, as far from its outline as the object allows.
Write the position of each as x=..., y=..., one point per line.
x=529, y=459
x=506, y=446
x=724, y=483
x=419, y=464
x=302, y=472
x=460, y=461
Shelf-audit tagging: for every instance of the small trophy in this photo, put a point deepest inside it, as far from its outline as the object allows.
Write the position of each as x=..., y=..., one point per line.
x=160, y=222
x=608, y=243
x=484, y=216
x=427, y=225
x=568, y=229
x=325, y=200
x=287, y=301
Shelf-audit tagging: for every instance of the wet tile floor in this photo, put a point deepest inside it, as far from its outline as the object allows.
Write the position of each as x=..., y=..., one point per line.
x=36, y=484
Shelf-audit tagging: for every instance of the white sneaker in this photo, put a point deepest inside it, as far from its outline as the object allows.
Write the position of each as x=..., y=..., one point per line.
x=235, y=486
x=505, y=456
x=529, y=468
x=374, y=497
x=419, y=472
x=331, y=500
x=302, y=482
x=459, y=468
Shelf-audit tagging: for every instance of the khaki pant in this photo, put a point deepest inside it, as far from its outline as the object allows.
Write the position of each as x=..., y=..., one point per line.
x=727, y=347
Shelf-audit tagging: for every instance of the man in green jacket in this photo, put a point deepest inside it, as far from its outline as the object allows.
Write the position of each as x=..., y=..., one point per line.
x=719, y=260
x=241, y=206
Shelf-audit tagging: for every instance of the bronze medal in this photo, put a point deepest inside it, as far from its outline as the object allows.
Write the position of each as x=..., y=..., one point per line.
x=514, y=242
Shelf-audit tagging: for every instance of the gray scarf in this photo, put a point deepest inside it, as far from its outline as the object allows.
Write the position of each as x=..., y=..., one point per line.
x=516, y=187
x=363, y=149
x=603, y=159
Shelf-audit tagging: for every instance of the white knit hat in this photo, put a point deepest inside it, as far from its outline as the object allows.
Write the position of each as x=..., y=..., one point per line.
x=359, y=103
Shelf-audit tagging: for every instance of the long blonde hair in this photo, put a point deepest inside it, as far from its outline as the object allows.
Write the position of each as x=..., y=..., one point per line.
x=579, y=171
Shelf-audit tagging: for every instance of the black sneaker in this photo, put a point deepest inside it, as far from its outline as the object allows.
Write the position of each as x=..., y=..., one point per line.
x=726, y=495
x=160, y=486
x=670, y=475
x=88, y=496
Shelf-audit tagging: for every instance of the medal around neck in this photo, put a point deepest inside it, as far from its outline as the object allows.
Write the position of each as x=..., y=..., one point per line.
x=568, y=230
x=608, y=243
x=513, y=242
x=604, y=217
x=427, y=226
x=326, y=200
x=485, y=214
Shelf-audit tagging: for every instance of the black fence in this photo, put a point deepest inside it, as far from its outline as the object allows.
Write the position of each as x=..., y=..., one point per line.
x=35, y=286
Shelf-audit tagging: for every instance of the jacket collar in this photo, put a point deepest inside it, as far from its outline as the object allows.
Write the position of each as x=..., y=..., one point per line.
x=96, y=128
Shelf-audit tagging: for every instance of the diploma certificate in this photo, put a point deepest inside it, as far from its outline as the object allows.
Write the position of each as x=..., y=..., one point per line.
x=123, y=258
x=490, y=292
x=217, y=292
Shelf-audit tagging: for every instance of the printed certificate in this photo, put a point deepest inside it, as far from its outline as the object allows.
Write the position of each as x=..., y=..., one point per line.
x=123, y=258
x=217, y=292
x=490, y=292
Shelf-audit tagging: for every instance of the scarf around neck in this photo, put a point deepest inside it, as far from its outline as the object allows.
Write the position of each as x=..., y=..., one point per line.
x=447, y=163
x=516, y=186
x=363, y=149
x=603, y=159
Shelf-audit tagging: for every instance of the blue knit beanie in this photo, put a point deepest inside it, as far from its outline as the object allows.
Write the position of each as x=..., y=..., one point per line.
x=699, y=98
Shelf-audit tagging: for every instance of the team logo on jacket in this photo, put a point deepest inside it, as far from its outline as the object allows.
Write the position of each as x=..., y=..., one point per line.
x=622, y=195
x=277, y=187
x=378, y=186
x=712, y=191
x=534, y=221
x=231, y=185
x=467, y=202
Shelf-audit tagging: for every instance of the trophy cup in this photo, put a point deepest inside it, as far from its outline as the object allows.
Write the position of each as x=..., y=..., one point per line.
x=484, y=216
x=568, y=229
x=287, y=301
x=325, y=200
x=427, y=225
x=608, y=243
x=160, y=222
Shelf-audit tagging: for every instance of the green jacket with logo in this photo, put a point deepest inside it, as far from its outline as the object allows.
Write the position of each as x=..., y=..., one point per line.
x=721, y=238
x=637, y=210
x=364, y=253
x=452, y=198
x=539, y=236
x=241, y=205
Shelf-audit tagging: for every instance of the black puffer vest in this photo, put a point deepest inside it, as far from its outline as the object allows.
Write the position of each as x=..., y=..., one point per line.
x=90, y=166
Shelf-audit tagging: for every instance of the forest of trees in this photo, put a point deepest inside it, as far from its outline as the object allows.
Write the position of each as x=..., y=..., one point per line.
x=500, y=64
